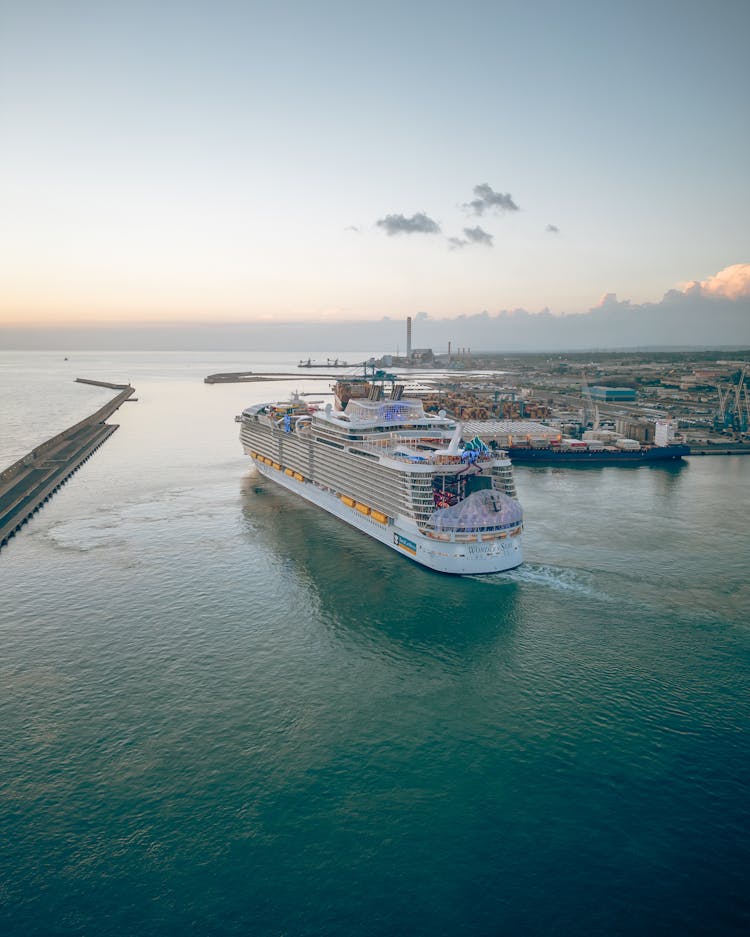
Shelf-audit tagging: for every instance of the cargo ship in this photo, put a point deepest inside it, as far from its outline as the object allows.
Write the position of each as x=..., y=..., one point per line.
x=585, y=455
x=399, y=475
x=528, y=442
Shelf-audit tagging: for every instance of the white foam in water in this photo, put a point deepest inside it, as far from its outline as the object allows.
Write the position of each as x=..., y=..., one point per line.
x=554, y=577
x=116, y=525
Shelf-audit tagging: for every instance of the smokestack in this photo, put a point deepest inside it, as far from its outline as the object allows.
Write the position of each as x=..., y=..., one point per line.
x=408, y=336
x=449, y=352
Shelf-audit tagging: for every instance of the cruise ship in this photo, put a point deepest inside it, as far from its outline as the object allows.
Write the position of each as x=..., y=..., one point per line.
x=394, y=472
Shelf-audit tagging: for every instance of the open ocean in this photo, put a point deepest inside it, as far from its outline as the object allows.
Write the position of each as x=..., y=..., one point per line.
x=224, y=712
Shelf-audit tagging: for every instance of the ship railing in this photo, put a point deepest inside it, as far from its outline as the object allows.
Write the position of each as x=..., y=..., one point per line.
x=473, y=534
x=474, y=529
x=433, y=459
x=421, y=456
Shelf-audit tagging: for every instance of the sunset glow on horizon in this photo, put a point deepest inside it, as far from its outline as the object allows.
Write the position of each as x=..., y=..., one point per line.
x=334, y=163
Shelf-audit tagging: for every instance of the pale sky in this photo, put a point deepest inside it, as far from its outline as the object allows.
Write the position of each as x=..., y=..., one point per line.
x=230, y=161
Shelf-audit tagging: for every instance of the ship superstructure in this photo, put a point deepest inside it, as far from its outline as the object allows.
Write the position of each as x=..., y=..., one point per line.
x=400, y=475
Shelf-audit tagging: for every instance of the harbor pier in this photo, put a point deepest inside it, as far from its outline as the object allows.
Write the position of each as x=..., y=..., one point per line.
x=31, y=481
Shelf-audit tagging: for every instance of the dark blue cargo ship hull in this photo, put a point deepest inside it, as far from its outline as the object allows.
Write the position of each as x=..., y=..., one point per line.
x=549, y=456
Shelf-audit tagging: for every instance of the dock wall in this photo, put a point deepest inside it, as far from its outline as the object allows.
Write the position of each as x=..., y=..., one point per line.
x=31, y=481
x=48, y=445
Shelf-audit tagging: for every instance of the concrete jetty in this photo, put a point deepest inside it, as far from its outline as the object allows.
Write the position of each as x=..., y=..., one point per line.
x=87, y=380
x=720, y=448
x=31, y=481
x=249, y=377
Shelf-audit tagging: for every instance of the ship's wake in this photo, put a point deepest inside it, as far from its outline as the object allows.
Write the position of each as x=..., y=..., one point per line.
x=560, y=578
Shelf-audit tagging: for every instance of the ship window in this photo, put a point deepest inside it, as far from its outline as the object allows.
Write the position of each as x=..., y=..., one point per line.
x=477, y=483
x=328, y=442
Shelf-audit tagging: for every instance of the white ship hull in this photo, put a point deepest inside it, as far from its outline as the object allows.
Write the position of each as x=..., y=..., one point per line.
x=466, y=557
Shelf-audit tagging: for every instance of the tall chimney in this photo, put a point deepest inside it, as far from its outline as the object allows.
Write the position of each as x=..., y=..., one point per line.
x=408, y=337
x=449, y=352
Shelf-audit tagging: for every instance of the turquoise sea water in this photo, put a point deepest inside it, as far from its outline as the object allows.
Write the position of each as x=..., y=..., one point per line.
x=224, y=712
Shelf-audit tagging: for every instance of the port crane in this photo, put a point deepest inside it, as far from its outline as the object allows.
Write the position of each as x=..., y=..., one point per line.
x=589, y=407
x=734, y=412
x=740, y=412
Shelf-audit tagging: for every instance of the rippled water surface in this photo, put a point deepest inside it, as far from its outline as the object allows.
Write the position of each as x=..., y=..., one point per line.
x=224, y=712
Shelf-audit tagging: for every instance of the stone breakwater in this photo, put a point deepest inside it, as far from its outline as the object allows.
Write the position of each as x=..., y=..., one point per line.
x=31, y=481
x=250, y=377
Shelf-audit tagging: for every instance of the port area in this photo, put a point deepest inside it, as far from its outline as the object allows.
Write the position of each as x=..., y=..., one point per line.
x=592, y=399
x=330, y=363
x=31, y=481
x=720, y=448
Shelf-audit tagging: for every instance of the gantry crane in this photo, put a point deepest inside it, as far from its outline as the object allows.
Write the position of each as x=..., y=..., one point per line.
x=588, y=405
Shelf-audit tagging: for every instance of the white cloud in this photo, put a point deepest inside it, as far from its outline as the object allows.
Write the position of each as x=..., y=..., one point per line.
x=730, y=283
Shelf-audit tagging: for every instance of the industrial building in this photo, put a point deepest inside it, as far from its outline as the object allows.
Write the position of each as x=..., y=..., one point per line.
x=635, y=429
x=612, y=393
